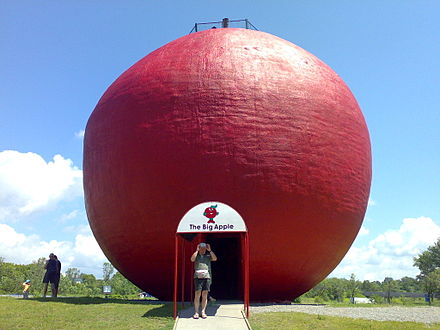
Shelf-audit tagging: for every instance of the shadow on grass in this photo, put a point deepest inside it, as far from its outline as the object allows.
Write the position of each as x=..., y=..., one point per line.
x=162, y=311
x=97, y=301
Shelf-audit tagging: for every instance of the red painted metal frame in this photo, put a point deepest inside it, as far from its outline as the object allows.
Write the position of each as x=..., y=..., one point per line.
x=246, y=273
x=183, y=276
x=176, y=266
x=244, y=239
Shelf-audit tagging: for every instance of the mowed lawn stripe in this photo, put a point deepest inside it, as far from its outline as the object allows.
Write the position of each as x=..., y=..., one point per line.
x=293, y=321
x=83, y=313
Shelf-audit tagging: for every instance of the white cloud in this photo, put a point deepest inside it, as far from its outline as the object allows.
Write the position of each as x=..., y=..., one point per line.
x=390, y=254
x=69, y=216
x=78, y=229
x=371, y=202
x=363, y=231
x=84, y=253
x=87, y=246
x=80, y=134
x=28, y=183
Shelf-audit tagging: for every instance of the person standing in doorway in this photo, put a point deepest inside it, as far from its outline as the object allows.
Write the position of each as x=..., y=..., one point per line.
x=50, y=275
x=202, y=276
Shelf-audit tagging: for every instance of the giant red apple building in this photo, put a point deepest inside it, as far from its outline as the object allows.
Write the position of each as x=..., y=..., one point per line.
x=236, y=116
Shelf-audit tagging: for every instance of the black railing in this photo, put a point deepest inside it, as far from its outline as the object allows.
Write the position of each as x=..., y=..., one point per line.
x=224, y=23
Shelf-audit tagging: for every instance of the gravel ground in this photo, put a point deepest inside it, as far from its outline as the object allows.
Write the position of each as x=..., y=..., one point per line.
x=415, y=314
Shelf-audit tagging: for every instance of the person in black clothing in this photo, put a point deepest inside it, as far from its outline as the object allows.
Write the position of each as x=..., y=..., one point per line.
x=57, y=280
x=51, y=275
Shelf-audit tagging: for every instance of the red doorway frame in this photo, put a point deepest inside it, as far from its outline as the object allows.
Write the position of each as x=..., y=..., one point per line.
x=180, y=241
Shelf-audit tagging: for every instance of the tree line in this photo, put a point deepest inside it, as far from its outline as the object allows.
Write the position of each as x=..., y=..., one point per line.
x=73, y=282
x=428, y=281
x=337, y=289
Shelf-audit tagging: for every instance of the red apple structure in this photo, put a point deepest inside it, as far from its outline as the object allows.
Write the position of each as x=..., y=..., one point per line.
x=236, y=116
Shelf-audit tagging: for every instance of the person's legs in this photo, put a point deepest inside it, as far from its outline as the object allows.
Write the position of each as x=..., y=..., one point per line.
x=54, y=290
x=46, y=280
x=45, y=289
x=197, y=302
x=57, y=284
x=204, y=302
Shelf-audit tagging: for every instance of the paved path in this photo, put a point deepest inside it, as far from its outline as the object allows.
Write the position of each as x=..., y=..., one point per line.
x=220, y=316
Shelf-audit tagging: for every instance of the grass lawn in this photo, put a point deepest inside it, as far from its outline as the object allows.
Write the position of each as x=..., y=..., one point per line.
x=286, y=320
x=84, y=313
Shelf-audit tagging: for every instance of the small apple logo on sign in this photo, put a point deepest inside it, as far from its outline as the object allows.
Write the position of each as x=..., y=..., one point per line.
x=211, y=213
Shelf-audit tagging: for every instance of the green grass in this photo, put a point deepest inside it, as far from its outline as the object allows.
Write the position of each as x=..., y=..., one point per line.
x=291, y=321
x=84, y=313
x=100, y=313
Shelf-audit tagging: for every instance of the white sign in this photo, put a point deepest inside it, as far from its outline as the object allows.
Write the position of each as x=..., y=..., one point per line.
x=211, y=217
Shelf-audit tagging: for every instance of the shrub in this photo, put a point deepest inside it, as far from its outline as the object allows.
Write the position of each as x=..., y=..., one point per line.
x=319, y=300
x=297, y=300
x=378, y=299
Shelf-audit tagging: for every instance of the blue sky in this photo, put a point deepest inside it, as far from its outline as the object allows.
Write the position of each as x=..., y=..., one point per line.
x=58, y=57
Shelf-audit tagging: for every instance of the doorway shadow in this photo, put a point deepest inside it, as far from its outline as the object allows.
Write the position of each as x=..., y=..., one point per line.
x=212, y=310
x=188, y=312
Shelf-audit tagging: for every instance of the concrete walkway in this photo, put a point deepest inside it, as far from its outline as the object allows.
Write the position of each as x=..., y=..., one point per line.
x=220, y=316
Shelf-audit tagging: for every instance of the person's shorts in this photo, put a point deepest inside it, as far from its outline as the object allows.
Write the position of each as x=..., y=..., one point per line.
x=50, y=277
x=203, y=284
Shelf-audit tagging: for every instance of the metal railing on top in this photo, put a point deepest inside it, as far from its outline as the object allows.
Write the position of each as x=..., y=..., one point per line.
x=224, y=23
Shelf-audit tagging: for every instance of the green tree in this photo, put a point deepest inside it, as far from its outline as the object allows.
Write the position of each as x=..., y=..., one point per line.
x=368, y=286
x=66, y=285
x=428, y=260
x=431, y=283
x=107, y=270
x=388, y=286
x=35, y=273
x=336, y=288
x=2, y=270
x=319, y=291
x=353, y=286
x=12, y=278
x=13, y=275
x=91, y=284
x=122, y=286
x=408, y=284
x=73, y=274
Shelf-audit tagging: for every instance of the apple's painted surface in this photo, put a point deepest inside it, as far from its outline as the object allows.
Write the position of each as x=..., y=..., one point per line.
x=236, y=116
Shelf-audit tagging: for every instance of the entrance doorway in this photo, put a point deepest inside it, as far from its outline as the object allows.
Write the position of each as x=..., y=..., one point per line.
x=227, y=273
x=224, y=229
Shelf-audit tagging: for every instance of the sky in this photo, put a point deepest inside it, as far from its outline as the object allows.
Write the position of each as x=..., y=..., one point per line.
x=57, y=58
